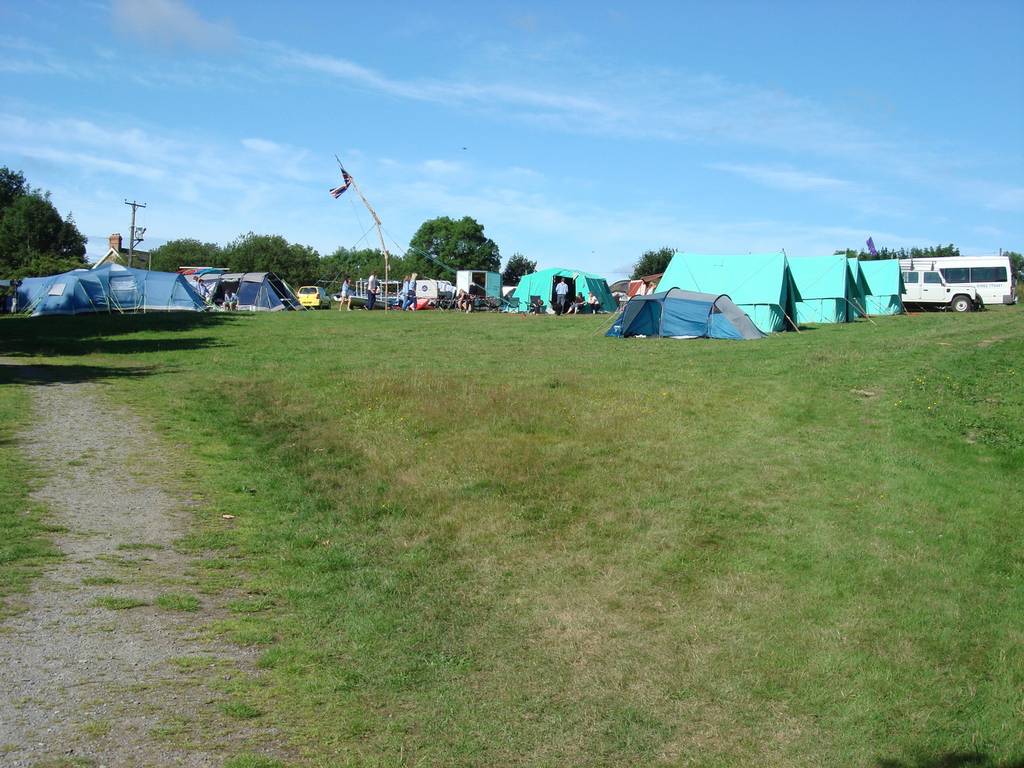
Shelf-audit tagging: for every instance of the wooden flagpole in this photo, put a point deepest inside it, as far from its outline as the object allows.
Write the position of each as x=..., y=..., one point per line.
x=377, y=224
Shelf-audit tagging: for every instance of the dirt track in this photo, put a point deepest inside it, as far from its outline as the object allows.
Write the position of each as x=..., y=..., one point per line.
x=102, y=686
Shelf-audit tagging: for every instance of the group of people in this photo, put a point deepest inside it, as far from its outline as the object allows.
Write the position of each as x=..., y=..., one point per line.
x=575, y=306
x=372, y=291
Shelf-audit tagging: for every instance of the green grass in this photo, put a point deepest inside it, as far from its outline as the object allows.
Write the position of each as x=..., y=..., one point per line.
x=178, y=602
x=24, y=549
x=484, y=540
x=239, y=710
x=253, y=761
x=114, y=603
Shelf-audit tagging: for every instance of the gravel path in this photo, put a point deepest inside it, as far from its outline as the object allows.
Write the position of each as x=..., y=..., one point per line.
x=82, y=684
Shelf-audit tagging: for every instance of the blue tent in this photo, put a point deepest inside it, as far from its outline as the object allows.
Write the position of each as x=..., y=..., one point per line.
x=759, y=284
x=256, y=291
x=684, y=314
x=110, y=288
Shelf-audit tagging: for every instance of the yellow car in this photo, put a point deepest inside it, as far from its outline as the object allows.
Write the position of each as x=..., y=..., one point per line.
x=314, y=297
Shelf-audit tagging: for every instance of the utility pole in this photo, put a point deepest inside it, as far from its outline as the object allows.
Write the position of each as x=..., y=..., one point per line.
x=135, y=236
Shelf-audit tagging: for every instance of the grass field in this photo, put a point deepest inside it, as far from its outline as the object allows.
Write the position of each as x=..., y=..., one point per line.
x=491, y=540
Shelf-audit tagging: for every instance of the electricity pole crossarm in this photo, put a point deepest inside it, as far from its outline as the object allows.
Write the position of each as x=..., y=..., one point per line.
x=135, y=236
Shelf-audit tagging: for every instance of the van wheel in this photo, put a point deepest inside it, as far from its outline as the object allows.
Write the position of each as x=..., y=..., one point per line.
x=961, y=303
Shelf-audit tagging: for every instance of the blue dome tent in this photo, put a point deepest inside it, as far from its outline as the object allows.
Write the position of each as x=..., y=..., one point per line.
x=680, y=314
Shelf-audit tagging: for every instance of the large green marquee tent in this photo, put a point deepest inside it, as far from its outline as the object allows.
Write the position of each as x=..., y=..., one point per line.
x=828, y=292
x=759, y=284
x=542, y=284
x=883, y=286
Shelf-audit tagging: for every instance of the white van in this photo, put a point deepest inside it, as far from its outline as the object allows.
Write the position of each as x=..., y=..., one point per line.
x=988, y=278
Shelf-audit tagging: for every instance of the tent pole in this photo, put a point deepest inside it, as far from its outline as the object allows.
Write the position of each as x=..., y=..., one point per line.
x=795, y=327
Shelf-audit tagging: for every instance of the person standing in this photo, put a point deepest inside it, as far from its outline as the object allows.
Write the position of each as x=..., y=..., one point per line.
x=561, y=296
x=346, y=294
x=372, y=286
x=402, y=296
x=410, y=293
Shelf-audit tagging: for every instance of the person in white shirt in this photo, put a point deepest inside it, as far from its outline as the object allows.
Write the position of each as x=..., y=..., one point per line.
x=372, y=286
x=561, y=296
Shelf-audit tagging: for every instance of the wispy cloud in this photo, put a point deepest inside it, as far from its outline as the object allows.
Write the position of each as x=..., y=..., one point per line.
x=170, y=23
x=24, y=57
x=781, y=177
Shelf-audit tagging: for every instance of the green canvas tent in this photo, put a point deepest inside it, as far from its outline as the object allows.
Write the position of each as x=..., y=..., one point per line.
x=883, y=283
x=542, y=284
x=759, y=284
x=826, y=287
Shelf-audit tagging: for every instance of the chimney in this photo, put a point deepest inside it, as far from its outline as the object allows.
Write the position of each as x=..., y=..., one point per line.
x=115, y=242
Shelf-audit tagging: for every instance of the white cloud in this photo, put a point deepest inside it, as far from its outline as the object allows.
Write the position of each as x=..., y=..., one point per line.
x=22, y=57
x=261, y=145
x=1006, y=198
x=441, y=167
x=782, y=177
x=170, y=22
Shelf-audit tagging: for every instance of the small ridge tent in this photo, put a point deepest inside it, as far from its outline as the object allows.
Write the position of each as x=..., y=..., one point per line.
x=883, y=283
x=256, y=291
x=110, y=288
x=826, y=288
x=683, y=314
x=759, y=284
x=543, y=283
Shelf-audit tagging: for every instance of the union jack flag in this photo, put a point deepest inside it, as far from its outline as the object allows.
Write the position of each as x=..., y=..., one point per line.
x=339, y=191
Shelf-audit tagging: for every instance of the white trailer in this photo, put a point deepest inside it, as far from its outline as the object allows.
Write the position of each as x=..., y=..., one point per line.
x=956, y=279
x=479, y=283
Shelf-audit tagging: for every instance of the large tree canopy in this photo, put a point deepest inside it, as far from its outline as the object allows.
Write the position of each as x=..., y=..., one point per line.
x=652, y=262
x=34, y=238
x=295, y=264
x=517, y=266
x=185, y=252
x=458, y=244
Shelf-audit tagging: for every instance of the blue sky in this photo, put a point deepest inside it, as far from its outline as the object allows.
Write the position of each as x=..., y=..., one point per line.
x=579, y=134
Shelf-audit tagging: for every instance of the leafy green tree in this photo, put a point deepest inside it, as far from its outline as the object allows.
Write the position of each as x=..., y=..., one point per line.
x=356, y=263
x=652, y=262
x=458, y=244
x=185, y=252
x=34, y=238
x=1016, y=263
x=295, y=264
x=931, y=252
x=12, y=186
x=517, y=266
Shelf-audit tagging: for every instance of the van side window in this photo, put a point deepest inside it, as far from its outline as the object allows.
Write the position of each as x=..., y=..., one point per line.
x=988, y=274
x=932, y=278
x=957, y=274
x=910, y=277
